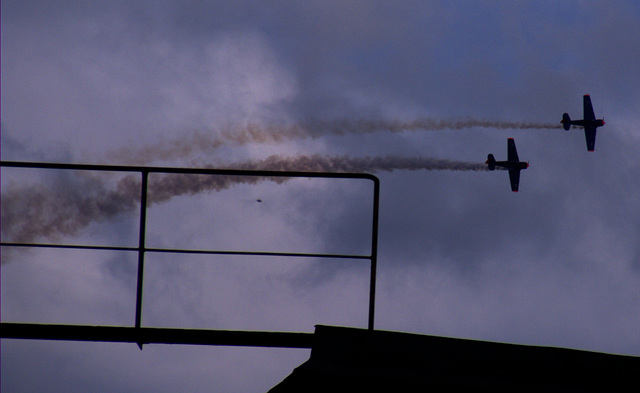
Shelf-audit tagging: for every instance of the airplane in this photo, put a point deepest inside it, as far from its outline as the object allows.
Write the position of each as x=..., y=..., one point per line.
x=513, y=164
x=590, y=123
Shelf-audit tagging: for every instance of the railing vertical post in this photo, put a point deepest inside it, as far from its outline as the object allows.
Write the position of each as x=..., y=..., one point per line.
x=141, y=249
x=374, y=252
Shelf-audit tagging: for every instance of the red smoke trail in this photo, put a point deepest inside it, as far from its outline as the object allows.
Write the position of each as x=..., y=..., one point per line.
x=39, y=212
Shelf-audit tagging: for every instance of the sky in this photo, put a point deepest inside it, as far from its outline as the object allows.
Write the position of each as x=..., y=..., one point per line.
x=416, y=92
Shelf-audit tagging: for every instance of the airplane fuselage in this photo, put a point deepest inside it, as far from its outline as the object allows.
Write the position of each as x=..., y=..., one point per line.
x=586, y=123
x=512, y=165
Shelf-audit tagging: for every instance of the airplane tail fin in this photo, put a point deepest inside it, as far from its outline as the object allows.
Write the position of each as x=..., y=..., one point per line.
x=566, y=121
x=491, y=161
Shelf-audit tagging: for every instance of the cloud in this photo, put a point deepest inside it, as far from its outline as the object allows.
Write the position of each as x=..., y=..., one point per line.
x=555, y=264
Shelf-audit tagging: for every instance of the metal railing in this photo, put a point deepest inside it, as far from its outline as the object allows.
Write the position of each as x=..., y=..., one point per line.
x=135, y=333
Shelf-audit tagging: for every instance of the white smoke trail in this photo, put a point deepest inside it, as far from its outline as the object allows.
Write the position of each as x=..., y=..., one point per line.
x=317, y=163
x=196, y=141
x=38, y=212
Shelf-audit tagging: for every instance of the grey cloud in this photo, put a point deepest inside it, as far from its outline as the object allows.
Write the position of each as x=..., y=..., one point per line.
x=556, y=264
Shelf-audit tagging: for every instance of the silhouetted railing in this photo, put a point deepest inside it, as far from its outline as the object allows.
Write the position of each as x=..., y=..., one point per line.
x=143, y=335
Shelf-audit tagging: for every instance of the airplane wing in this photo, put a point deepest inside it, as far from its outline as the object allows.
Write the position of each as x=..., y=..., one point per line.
x=588, y=109
x=512, y=153
x=590, y=136
x=514, y=177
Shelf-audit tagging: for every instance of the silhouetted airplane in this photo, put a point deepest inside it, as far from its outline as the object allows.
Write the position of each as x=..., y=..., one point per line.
x=513, y=164
x=590, y=123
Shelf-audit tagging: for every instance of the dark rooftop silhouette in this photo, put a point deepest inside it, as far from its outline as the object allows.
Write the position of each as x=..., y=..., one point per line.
x=349, y=359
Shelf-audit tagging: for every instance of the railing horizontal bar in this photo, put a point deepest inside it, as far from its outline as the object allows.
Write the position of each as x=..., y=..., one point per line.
x=192, y=171
x=181, y=251
x=72, y=246
x=260, y=253
x=146, y=335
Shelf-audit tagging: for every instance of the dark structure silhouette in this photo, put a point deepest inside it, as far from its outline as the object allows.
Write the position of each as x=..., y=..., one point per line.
x=359, y=360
